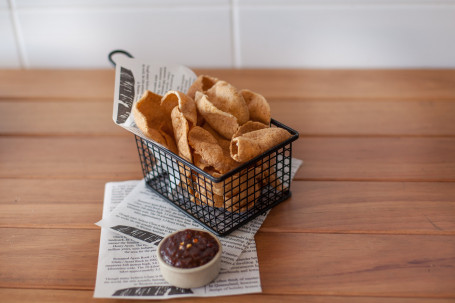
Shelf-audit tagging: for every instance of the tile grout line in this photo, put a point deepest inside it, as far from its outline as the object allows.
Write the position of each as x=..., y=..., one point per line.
x=235, y=34
x=347, y=3
x=20, y=45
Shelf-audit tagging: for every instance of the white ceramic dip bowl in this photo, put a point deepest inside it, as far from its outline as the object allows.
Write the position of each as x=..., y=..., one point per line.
x=194, y=276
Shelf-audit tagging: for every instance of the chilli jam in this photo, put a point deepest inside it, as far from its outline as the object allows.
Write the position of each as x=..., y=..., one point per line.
x=189, y=248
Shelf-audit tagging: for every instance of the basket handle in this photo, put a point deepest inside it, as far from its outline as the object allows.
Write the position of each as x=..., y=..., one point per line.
x=118, y=51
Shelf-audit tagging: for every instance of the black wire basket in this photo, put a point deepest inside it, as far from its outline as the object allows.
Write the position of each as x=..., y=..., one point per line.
x=225, y=203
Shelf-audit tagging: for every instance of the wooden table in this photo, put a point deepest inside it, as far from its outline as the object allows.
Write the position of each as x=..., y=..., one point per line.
x=371, y=219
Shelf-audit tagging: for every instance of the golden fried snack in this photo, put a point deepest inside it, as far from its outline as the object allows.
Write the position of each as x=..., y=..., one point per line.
x=148, y=113
x=181, y=129
x=270, y=177
x=217, y=128
x=249, y=127
x=186, y=105
x=152, y=120
x=268, y=167
x=225, y=146
x=233, y=194
x=226, y=98
x=210, y=154
x=245, y=192
x=252, y=144
x=224, y=123
x=213, y=132
x=237, y=193
x=258, y=106
x=203, y=193
x=202, y=84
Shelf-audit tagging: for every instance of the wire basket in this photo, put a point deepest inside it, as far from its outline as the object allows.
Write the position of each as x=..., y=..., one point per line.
x=220, y=204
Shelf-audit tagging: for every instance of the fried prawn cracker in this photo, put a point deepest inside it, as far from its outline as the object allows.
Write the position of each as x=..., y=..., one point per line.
x=215, y=127
x=181, y=129
x=204, y=193
x=248, y=127
x=267, y=167
x=170, y=141
x=152, y=120
x=226, y=98
x=244, y=188
x=224, y=123
x=202, y=84
x=225, y=146
x=209, y=151
x=258, y=106
x=186, y=105
x=252, y=144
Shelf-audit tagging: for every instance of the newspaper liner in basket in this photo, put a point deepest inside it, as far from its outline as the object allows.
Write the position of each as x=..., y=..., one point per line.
x=221, y=203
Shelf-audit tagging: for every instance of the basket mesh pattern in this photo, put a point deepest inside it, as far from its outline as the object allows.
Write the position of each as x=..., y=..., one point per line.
x=221, y=204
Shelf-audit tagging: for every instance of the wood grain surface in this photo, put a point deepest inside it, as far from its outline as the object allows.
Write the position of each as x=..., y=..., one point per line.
x=12, y=295
x=321, y=207
x=314, y=117
x=335, y=264
x=326, y=158
x=339, y=84
x=371, y=218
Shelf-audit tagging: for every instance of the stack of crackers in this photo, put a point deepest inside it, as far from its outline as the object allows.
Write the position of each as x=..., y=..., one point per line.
x=217, y=128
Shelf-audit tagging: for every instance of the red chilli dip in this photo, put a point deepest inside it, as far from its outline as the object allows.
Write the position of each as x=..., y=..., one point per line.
x=189, y=248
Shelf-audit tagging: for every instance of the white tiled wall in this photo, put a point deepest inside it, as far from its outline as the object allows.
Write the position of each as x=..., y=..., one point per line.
x=9, y=57
x=83, y=38
x=229, y=33
x=363, y=34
